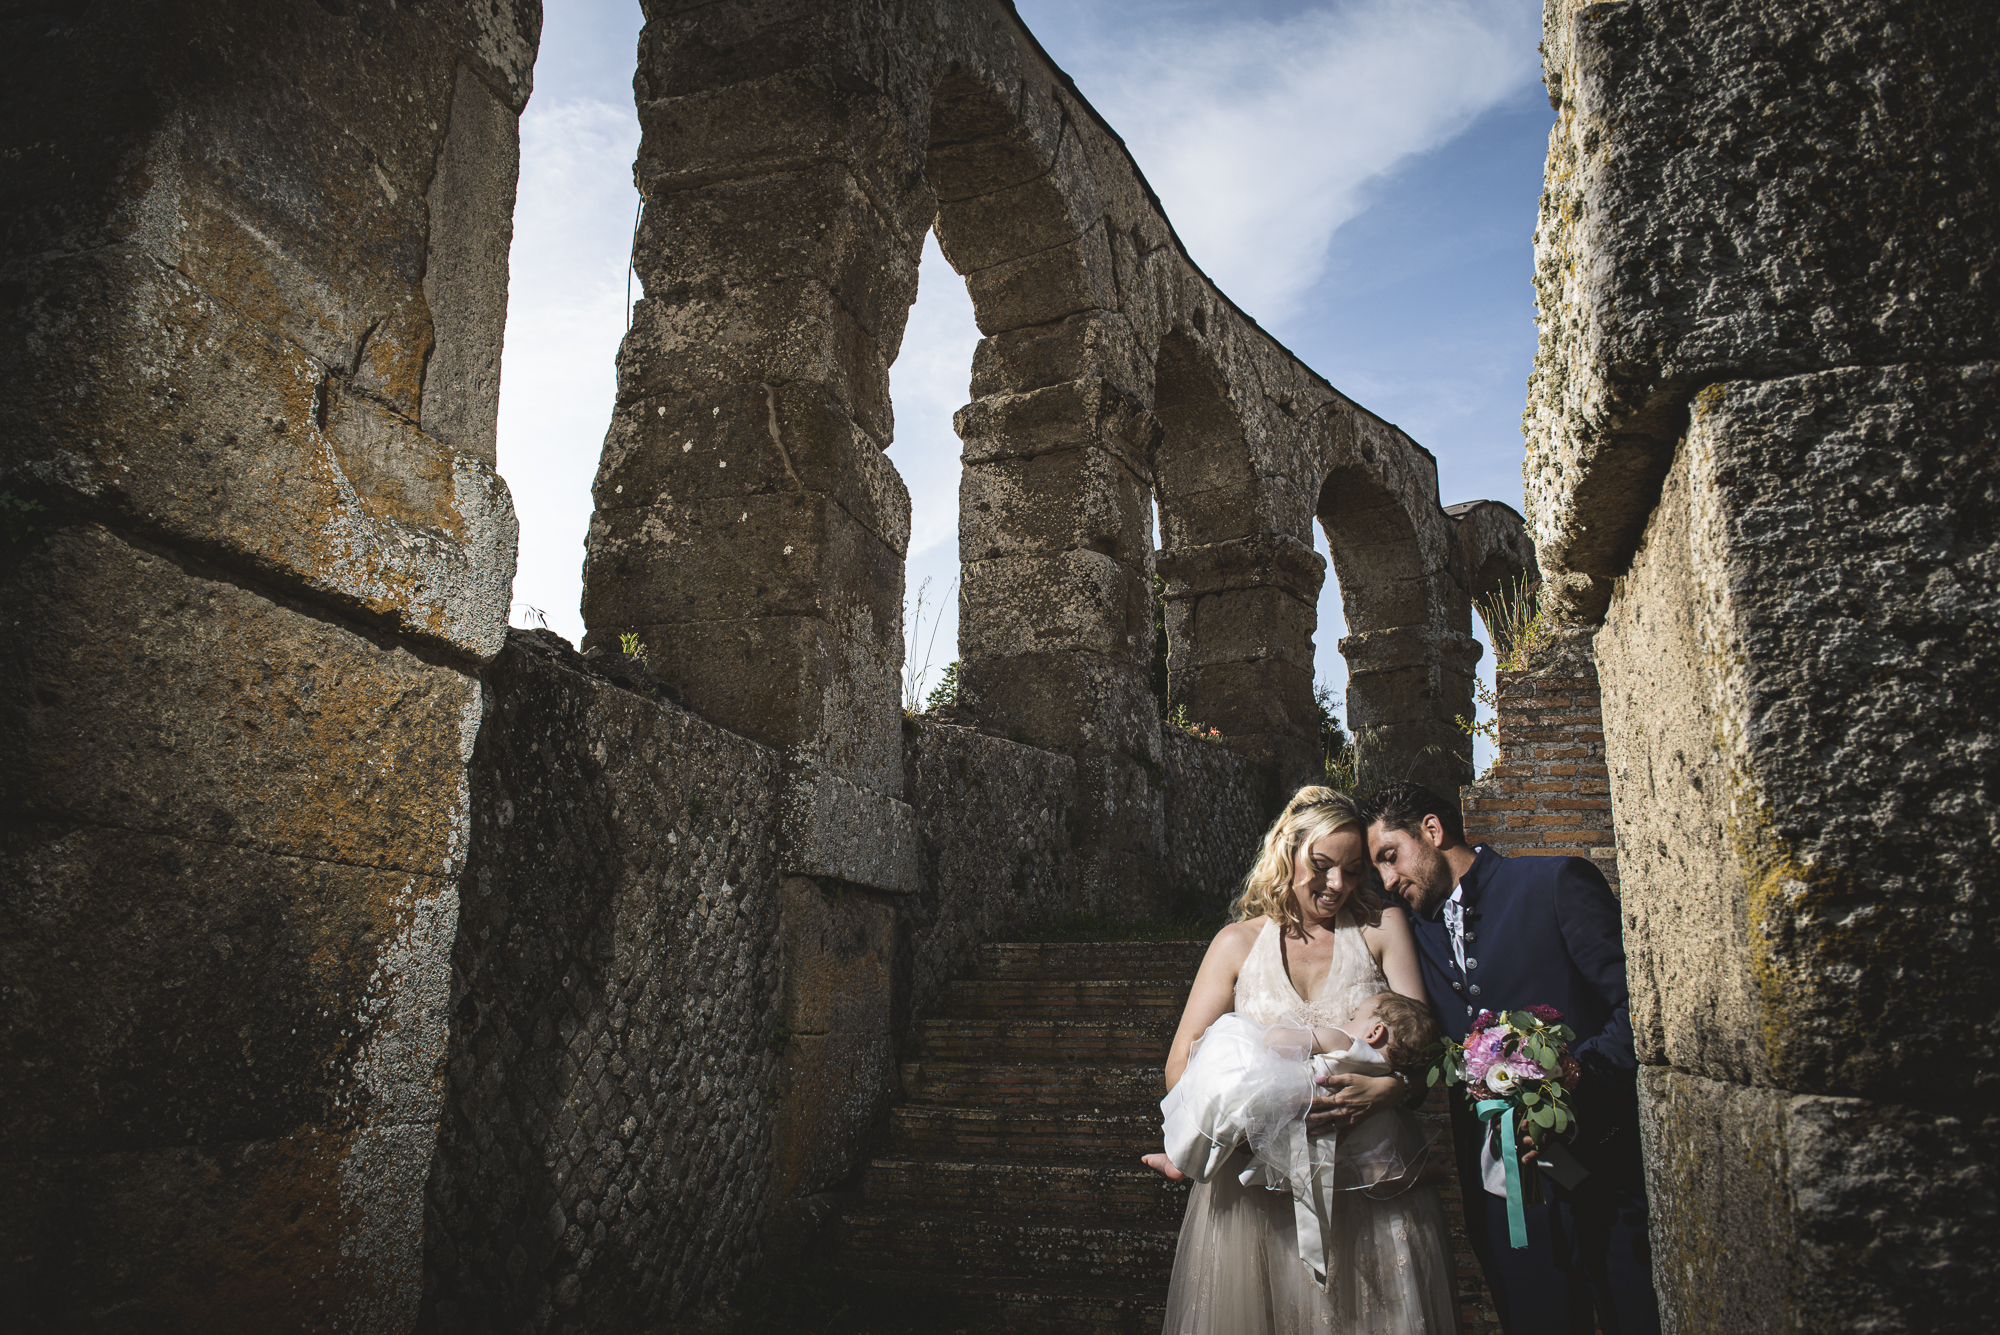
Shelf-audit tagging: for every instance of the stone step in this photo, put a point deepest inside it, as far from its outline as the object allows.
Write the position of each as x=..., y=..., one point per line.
x=1119, y=1042
x=1036, y=1190
x=1041, y=1306
x=1084, y=1000
x=1069, y=1247
x=1161, y=961
x=1110, y=1135
x=1045, y=1085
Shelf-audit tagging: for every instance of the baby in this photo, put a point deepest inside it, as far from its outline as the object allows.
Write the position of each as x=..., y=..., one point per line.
x=1245, y=1075
x=1251, y=1085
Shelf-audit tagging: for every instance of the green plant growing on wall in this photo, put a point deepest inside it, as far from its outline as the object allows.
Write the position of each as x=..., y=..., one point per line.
x=632, y=647
x=1201, y=732
x=1515, y=624
x=945, y=693
x=17, y=515
x=1338, y=760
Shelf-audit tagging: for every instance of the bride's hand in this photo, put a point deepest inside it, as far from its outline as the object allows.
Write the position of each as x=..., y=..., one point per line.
x=1350, y=1098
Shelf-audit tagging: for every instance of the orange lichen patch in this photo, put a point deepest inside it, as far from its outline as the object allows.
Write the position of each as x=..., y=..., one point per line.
x=234, y=438
x=277, y=1252
x=252, y=723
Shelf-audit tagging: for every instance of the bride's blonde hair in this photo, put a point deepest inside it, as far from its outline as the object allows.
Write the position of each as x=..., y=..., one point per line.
x=1311, y=815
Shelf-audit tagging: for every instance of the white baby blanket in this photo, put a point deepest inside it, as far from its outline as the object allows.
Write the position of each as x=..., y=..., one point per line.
x=1251, y=1084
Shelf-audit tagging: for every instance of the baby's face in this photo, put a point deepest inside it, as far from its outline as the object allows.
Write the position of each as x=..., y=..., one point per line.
x=1366, y=1026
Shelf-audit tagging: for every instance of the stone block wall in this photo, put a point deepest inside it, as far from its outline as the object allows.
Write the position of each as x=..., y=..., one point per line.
x=998, y=824
x=1761, y=460
x=610, y=1139
x=666, y=1051
x=252, y=291
x=1547, y=793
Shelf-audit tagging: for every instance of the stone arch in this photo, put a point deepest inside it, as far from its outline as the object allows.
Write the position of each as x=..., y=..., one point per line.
x=1492, y=557
x=1240, y=594
x=1055, y=500
x=1409, y=645
x=749, y=527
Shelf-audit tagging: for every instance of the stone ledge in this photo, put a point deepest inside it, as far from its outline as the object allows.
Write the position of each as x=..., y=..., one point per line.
x=828, y=826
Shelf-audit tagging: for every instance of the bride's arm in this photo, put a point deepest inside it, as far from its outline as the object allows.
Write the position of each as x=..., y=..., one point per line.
x=1214, y=994
x=1395, y=949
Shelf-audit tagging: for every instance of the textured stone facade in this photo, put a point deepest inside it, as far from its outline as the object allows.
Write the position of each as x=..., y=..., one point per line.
x=1215, y=816
x=253, y=278
x=999, y=825
x=1760, y=454
x=665, y=1052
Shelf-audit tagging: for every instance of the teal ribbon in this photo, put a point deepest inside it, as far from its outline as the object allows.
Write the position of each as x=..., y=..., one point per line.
x=1510, y=1157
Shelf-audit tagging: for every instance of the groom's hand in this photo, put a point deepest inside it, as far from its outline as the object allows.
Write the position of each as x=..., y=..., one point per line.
x=1349, y=1098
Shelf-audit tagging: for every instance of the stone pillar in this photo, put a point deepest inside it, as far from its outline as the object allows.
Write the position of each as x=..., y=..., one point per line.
x=1761, y=453
x=1055, y=619
x=1240, y=620
x=1406, y=687
x=750, y=531
x=255, y=282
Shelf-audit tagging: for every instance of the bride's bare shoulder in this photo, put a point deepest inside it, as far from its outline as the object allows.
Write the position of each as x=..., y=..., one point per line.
x=1234, y=941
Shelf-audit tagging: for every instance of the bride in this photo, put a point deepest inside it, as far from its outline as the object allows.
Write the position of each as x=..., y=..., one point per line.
x=1310, y=944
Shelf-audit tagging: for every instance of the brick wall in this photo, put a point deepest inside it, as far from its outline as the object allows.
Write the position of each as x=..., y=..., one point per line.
x=1548, y=792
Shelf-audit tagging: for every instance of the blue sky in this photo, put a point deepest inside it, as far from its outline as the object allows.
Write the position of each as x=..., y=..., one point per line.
x=1361, y=177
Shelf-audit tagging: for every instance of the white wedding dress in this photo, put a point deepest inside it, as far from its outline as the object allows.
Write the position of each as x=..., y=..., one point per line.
x=1237, y=1270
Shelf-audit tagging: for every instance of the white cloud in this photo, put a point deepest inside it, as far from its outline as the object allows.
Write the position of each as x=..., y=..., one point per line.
x=1260, y=136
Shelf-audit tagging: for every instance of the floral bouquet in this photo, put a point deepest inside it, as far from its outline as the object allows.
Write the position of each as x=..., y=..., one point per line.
x=1517, y=1071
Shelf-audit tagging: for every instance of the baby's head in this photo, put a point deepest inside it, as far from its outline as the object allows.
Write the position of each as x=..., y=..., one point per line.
x=1395, y=1026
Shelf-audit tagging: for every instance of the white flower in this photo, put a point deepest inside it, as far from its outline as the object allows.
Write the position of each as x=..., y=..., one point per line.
x=1501, y=1080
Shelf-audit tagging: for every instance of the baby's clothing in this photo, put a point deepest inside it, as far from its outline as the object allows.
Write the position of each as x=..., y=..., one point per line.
x=1251, y=1085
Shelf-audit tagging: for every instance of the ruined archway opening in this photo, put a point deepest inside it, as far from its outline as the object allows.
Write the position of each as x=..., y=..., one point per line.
x=1379, y=568
x=927, y=383
x=567, y=297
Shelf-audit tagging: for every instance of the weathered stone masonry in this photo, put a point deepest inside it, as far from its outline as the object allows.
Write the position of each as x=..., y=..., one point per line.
x=254, y=283
x=1761, y=459
x=301, y=867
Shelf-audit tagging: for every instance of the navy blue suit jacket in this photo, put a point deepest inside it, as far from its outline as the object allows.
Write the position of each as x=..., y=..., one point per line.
x=1546, y=931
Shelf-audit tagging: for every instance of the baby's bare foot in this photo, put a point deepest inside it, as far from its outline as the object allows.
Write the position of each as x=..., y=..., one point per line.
x=1164, y=1166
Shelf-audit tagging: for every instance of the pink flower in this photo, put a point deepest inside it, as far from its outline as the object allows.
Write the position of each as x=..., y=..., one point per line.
x=1486, y=1020
x=1482, y=1052
x=1546, y=1014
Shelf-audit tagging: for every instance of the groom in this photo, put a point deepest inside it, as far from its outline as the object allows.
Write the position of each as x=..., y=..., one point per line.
x=1498, y=934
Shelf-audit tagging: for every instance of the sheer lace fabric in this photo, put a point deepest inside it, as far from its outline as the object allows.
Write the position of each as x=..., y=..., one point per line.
x=1237, y=1270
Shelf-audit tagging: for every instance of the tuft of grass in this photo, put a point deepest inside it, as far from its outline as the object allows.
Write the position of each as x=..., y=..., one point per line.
x=1515, y=624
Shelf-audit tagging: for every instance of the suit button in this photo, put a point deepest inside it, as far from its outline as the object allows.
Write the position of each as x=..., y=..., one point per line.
x=1474, y=989
x=1470, y=937
x=1468, y=1010
x=1454, y=987
x=1472, y=964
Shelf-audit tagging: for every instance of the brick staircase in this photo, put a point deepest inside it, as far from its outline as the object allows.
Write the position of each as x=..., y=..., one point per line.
x=1010, y=1176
